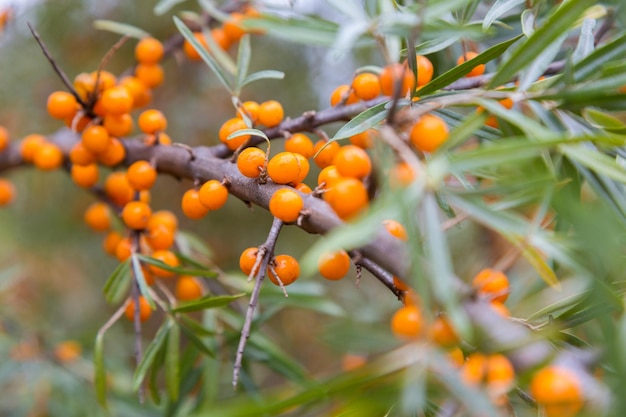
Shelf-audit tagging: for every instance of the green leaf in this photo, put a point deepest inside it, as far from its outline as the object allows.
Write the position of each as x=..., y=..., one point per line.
x=172, y=362
x=141, y=281
x=526, y=124
x=100, y=379
x=243, y=61
x=553, y=28
x=116, y=286
x=120, y=28
x=206, y=302
x=262, y=75
x=305, y=30
x=164, y=6
x=436, y=45
x=460, y=71
x=213, y=11
x=604, y=121
x=586, y=41
x=191, y=334
x=204, y=54
x=179, y=270
x=244, y=132
x=590, y=65
x=595, y=161
x=370, y=118
x=499, y=8
x=150, y=354
x=535, y=259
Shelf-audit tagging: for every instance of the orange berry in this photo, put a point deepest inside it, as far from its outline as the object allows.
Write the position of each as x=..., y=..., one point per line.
x=251, y=110
x=144, y=310
x=351, y=361
x=29, y=146
x=164, y=217
x=85, y=175
x=190, y=51
x=400, y=284
x=248, y=259
x=477, y=70
x=191, y=205
x=352, y=161
x=84, y=84
x=429, y=133
x=136, y=215
x=115, y=153
x=500, y=308
x=365, y=139
x=401, y=174
x=67, y=351
x=229, y=127
x=407, y=322
x=48, y=157
x=286, y=204
x=424, y=70
x=251, y=161
x=105, y=80
x=95, y=139
x=343, y=94
x=78, y=123
x=118, y=125
x=188, y=288
x=124, y=249
x=396, y=74
x=347, y=197
x=304, y=168
x=271, y=113
x=168, y=258
x=558, y=391
x=213, y=195
x=110, y=242
x=117, y=188
x=366, y=86
x=396, y=229
x=141, y=94
x=4, y=138
x=232, y=27
x=284, y=168
x=303, y=188
x=152, y=121
x=164, y=139
x=62, y=105
x=334, y=265
x=287, y=269
x=474, y=369
x=500, y=374
x=493, y=284
x=325, y=157
x=149, y=51
x=116, y=100
x=456, y=357
x=151, y=75
x=220, y=38
x=301, y=144
x=159, y=236
x=7, y=192
x=98, y=217
x=141, y=175
x=442, y=332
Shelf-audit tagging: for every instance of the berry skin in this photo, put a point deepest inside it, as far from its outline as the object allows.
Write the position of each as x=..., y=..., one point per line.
x=424, y=70
x=140, y=92
x=4, y=138
x=67, y=351
x=136, y=215
x=144, y=310
x=251, y=161
x=334, y=265
x=29, y=146
x=7, y=192
x=366, y=86
x=220, y=38
x=118, y=125
x=248, y=259
x=442, y=333
x=229, y=127
x=124, y=249
x=115, y=153
x=191, y=205
x=141, y=175
x=477, y=70
x=117, y=188
x=188, y=288
x=190, y=51
x=347, y=197
x=271, y=113
x=429, y=133
x=494, y=371
x=326, y=156
x=393, y=74
x=365, y=139
x=251, y=109
x=166, y=257
x=304, y=168
x=287, y=269
x=328, y=176
x=301, y=144
x=493, y=284
x=96, y=139
x=48, y=157
x=407, y=322
x=151, y=75
x=149, y=51
x=339, y=95
x=164, y=217
x=286, y=204
x=152, y=121
x=110, y=242
x=303, y=188
x=98, y=217
x=159, y=236
x=285, y=168
x=85, y=176
x=116, y=100
x=401, y=174
x=396, y=229
x=352, y=161
x=213, y=195
x=62, y=105
x=232, y=27
x=558, y=390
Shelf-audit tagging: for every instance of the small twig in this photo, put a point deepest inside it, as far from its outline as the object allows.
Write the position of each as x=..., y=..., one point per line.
x=383, y=276
x=103, y=62
x=280, y=282
x=55, y=66
x=268, y=248
x=449, y=224
x=135, y=236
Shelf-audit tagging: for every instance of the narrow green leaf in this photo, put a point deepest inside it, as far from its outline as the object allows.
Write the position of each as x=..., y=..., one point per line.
x=536, y=69
x=305, y=30
x=164, y=6
x=527, y=125
x=464, y=131
x=221, y=57
x=243, y=61
x=172, y=363
x=595, y=161
x=349, y=8
x=204, y=54
x=604, y=121
x=117, y=284
x=556, y=25
x=206, y=302
x=535, y=259
x=528, y=22
x=499, y=8
x=179, y=270
x=150, y=354
x=194, y=326
x=100, y=379
x=363, y=121
x=120, y=28
x=214, y=11
x=141, y=281
x=436, y=45
x=197, y=342
x=586, y=41
x=262, y=75
x=244, y=132
x=590, y=65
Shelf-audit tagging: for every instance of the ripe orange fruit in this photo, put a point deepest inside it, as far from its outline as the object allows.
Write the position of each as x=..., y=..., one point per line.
x=248, y=259
x=303, y=188
x=105, y=80
x=141, y=175
x=213, y=195
x=144, y=310
x=396, y=74
x=229, y=127
x=48, y=157
x=396, y=229
x=4, y=138
x=141, y=94
x=325, y=157
x=149, y=51
x=407, y=322
x=190, y=51
x=67, y=351
x=251, y=109
x=334, y=265
x=85, y=175
x=220, y=38
x=493, y=371
x=115, y=153
x=271, y=113
x=366, y=86
x=477, y=70
x=347, y=197
x=301, y=144
x=95, y=139
x=424, y=70
x=79, y=155
x=167, y=257
x=365, y=139
x=159, y=236
x=352, y=161
x=164, y=217
x=116, y=100
x=328, y=176
x=98, y=217
x=492, y=284
x=286, y=204
x=188, y=288
x=117, y=188
x=251, y=161
x=136, y=215
x=110, y=242
x=351, y=361
x=401, y=174
x=558, y=391
x=7, y=192
x=287, y=270
x=442, y=333
x=285, y=167
x=29, y=146
x=191, y=205
x=341, y=93
x=118, y=125
x=429, y=133
x=232, y=27
x=304, y=168
x=151, y=75
x=152, y=121
x=124, y=249
x=62, y=105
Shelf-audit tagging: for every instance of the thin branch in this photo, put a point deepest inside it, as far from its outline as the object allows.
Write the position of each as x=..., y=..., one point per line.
x=135, y=292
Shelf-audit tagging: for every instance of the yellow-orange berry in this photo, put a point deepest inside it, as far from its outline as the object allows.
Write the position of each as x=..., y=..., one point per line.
x=48, y=157
x=477, y=70
x=401, y=174
x=366, y=86
x=159, y=236
x=232, y=27
x=118, y=125
x=251, y=161
x=364, y=139
x=115, y=153
x=303, y=188
x=85, y=175
x=188, y=288
x=396, y=74
x=124, y=249
x=492, y=284
x=334, y=265
x=558, y=391
x=152, y=121
x=4, y=138
x=325, y=153
x=62, y=105
x=250, y=109
x=149, y=51
x=191, y=205
x=141, y=175
x=117, y=188
x=79, y=155
x=67, y=351
x=98, y=217
x=351, y=361
x=396, y=229
x=190, y=51
x=229, y=127
x=151, y=75
x=285, y=268
x=30, y=144
x=352, y=161
x=429, y=133
x=168, y=258
x=347, y=197
x=442, y=333
x=110, y=242
x=220, y=38
x=286, y=204
x=301, y=144
x=343, y=94
x=247, y=260
x=284, y=168
x=407, y=322
x=144, y=310
x=116, y=100
x=96, y=139
x=328, y=176
x=213, y=195
x=304, y=168
x=136, y=215
x=271, y=113
x=424, y=70
x=7, y=192
x=141, y=94
x=164, y=217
